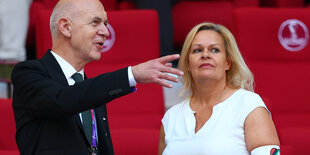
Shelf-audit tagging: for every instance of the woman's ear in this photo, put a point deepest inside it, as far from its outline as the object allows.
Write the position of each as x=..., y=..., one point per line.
x=228, y=64
x=64, y=26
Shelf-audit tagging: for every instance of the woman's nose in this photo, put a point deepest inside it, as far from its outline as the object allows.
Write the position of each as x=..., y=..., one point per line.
x=205, y=54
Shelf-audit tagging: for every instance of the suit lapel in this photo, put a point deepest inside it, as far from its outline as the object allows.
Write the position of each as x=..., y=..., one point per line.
x=54, y=68
x=56, y=73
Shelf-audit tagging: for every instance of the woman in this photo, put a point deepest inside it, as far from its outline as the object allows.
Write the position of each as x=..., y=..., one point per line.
x=222, y=115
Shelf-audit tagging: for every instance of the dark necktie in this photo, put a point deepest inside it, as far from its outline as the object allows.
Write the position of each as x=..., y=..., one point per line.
x=87, y=117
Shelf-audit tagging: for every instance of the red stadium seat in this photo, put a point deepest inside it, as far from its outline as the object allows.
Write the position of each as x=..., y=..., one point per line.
x=136, y=42
x=136, y=38
x=8, y=127
x=275, y=44
x=258, y=35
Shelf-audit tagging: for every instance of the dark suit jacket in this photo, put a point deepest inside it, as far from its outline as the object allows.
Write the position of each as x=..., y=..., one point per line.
x=46, y=108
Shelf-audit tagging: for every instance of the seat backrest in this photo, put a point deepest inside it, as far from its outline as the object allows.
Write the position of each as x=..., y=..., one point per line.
x=134, y=38
x=259, y=37
x=275, y=44
x=8, y=127
x=136, y=35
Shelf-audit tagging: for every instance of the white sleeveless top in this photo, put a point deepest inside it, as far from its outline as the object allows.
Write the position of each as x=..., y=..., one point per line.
x=222, y=134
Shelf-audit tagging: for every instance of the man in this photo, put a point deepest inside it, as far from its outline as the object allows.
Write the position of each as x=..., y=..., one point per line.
x=49, y=102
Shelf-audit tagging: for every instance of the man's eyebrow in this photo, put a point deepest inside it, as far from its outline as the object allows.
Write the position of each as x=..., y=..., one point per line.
x=100, y=19
x=97, y=18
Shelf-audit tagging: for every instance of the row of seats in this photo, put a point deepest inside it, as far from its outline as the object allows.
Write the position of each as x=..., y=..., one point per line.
x=281, y=75
x=219, y=11
x=187, y=13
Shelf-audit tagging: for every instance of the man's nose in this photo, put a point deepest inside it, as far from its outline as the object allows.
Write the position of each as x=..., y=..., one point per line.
x=103, y=30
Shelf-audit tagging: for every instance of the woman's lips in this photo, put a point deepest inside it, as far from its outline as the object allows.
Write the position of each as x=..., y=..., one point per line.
x=206, y=65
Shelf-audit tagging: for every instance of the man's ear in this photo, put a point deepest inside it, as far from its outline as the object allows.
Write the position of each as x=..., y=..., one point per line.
x=64, y=26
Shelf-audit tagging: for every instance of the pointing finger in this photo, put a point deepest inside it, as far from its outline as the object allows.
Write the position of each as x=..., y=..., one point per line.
x=168, y=58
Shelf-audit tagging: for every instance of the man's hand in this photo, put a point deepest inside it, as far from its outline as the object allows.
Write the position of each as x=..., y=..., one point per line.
x=154, y=71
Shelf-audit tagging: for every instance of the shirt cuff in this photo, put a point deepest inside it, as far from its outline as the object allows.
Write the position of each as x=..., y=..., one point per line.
x=131, y=78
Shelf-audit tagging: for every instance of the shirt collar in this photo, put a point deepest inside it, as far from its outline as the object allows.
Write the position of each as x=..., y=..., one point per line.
x=66, y=67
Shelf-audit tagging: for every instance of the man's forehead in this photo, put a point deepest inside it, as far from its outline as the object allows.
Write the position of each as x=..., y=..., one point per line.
x=98, y=15
x=93, y=11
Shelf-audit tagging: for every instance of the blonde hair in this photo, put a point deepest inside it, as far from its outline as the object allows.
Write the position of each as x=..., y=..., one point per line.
x=238, y=76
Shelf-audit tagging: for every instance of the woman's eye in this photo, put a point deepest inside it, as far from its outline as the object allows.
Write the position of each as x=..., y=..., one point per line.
x=215, y=50
x=196, y=51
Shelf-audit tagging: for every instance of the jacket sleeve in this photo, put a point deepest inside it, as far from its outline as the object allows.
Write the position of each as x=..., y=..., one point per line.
x=38, y=93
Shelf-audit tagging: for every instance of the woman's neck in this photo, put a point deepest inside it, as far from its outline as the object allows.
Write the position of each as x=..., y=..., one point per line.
x=209, y=93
